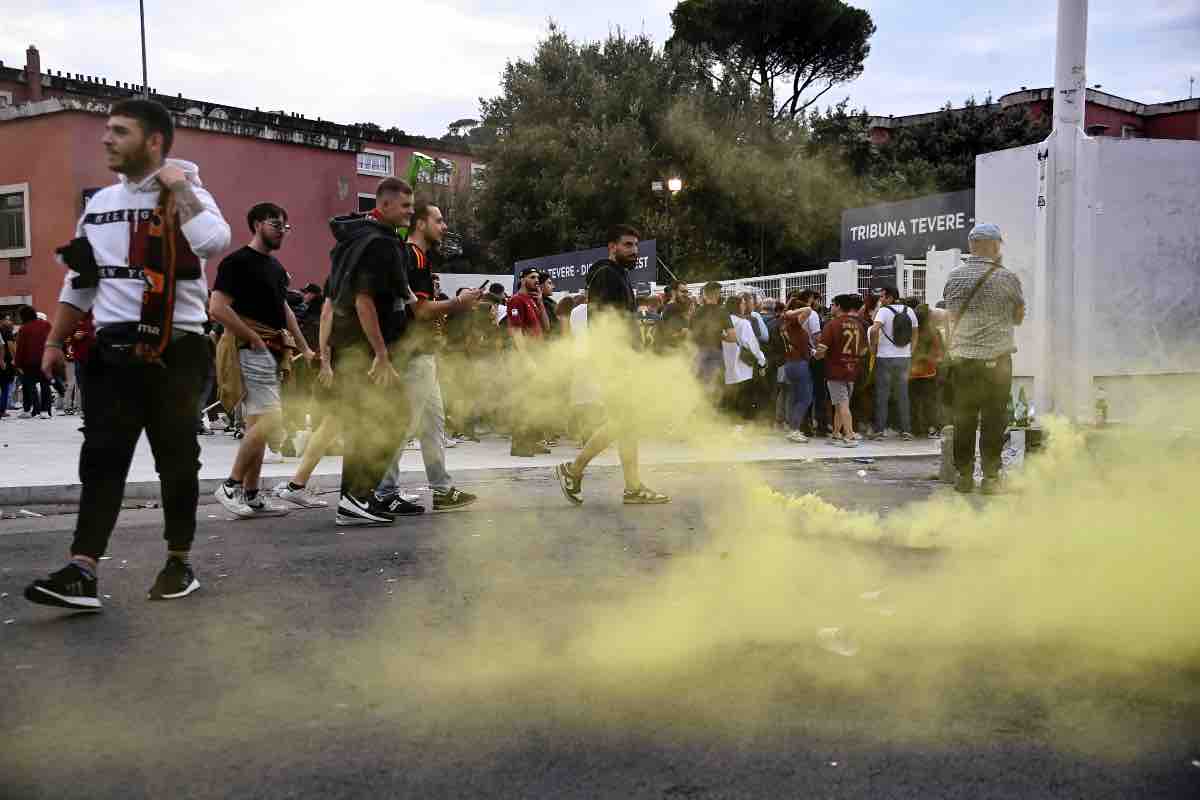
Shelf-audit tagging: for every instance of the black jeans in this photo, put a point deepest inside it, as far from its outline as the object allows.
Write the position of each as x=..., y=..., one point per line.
x=120, y=401
x=926, y=406
x=981, y=394
x=35, y=392
x=374, y=421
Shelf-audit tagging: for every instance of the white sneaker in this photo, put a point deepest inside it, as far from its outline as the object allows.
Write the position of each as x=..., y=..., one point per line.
x=234, y=500
x=305, y=497
x=24, y=415
x=263, y=505
x=451, y=442
x=272, y=457
x=797, y=437
x=44, y=415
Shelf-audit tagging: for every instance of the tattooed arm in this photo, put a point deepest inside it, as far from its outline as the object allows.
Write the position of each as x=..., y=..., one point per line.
x=200, y=220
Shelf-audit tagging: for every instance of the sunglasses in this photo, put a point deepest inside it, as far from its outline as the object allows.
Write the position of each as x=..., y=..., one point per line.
x=279, y=226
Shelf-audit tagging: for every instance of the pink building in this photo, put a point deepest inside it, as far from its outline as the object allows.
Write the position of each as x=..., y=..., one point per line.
x=50, y=129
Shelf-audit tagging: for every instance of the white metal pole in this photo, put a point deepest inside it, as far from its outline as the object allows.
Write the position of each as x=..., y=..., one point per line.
x=1067, y=363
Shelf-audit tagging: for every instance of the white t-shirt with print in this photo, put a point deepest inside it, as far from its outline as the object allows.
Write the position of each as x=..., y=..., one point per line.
x=886, y=315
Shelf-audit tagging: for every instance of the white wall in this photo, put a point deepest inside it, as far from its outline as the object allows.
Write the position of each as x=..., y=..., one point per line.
x=1137, y=252
x=452, y=281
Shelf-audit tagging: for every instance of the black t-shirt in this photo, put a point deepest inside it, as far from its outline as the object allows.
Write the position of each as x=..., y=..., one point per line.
x=421, y=337
x=708, y=326
x=257, y=284
x=674, y=322
x=382, y=273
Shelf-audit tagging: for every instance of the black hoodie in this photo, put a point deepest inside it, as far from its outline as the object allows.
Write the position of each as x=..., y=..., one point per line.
x=368, y=257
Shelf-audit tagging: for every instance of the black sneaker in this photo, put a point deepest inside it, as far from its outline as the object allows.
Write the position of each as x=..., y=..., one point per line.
x=570, y=483
x=174, y=581
x=352, y=511
x=397, y=505
x=452, y=500
x=70, y=587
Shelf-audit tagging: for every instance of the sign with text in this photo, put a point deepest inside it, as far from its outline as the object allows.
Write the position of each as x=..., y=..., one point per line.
x=910, y=228
x=569, y=270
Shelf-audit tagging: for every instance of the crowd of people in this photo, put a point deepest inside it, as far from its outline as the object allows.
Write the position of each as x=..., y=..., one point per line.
x=379, y=356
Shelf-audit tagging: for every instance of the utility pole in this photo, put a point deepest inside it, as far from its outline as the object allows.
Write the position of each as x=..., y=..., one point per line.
x=1064, y=371
x=145, y=77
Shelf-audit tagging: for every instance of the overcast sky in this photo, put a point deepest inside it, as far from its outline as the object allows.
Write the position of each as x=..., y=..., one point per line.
x=421, y=65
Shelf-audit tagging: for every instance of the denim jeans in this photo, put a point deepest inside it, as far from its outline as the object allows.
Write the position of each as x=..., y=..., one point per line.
x=428, y=424
x=892, y=374
x=799, y=379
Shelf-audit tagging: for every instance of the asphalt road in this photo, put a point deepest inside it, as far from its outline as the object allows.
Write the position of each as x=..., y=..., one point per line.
x=439, y=658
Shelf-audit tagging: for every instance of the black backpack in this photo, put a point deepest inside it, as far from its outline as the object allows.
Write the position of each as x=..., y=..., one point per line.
x=902, y=327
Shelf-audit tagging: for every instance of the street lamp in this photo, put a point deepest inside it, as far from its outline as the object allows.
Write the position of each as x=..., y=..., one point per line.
x=673, y=187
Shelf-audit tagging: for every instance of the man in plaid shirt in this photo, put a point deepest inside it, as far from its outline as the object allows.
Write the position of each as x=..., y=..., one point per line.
x=981, y=344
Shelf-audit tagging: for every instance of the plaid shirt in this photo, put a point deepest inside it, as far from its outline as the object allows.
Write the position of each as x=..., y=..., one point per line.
x=986, y=329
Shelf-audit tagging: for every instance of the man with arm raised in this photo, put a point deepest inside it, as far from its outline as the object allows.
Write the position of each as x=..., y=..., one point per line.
x=137, y=263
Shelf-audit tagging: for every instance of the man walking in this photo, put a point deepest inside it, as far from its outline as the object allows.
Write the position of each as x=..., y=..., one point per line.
x=892, y=335
x=249, y=299
x=985, y=303
x=138, y=264
x=611, y=294
x=369, y=295
x=31, y=345
x=708, y=326
x=419, y=366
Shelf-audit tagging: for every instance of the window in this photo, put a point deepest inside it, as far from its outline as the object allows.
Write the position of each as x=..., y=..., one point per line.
x=5, y=99
x=14, y=221
x=918, y=284
x=366, y=202
x=439, y=174
x=478, y=173
x=375, y=162
x=18, y=266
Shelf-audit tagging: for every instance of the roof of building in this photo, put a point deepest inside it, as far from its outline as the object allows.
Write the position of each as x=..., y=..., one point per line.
x=1026, y=96
x=75, y=92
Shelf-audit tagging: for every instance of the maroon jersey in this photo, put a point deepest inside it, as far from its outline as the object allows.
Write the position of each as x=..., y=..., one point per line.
x=844, y=338
x=524, y=313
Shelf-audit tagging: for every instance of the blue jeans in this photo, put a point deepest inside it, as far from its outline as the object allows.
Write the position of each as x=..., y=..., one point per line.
x=6, y=385
x=428, y=424
x=800, y=392
x=892, y=373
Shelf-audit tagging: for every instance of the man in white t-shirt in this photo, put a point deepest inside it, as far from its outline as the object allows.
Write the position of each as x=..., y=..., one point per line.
x=893, y=359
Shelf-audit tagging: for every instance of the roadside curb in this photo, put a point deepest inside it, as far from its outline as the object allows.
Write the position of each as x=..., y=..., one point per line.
x=68, y=494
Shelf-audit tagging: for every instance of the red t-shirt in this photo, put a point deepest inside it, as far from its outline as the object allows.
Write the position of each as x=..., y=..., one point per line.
x=795, y=339
x=844, y=338
x=524, y=313
x=31, y=342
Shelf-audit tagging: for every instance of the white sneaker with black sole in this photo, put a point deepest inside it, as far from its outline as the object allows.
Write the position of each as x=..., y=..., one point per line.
x=352, y=511
x=233, y=499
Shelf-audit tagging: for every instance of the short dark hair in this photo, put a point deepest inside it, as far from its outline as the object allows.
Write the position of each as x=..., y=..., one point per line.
x=153, y=117
x=617, y=231
x=421, y=212
x=711, y=287
x=27, y=314
x=890, y=291
x=313, y=288
x=392, y=186
x=261, y=212
x=496, y=288
x=527, y=271
x=544, y=276
x=805, y=295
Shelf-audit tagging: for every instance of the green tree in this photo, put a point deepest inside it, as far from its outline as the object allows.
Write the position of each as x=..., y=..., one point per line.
x=790, y=51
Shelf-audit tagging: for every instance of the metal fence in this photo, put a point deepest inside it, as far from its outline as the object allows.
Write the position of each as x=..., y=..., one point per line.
x=775, y=286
